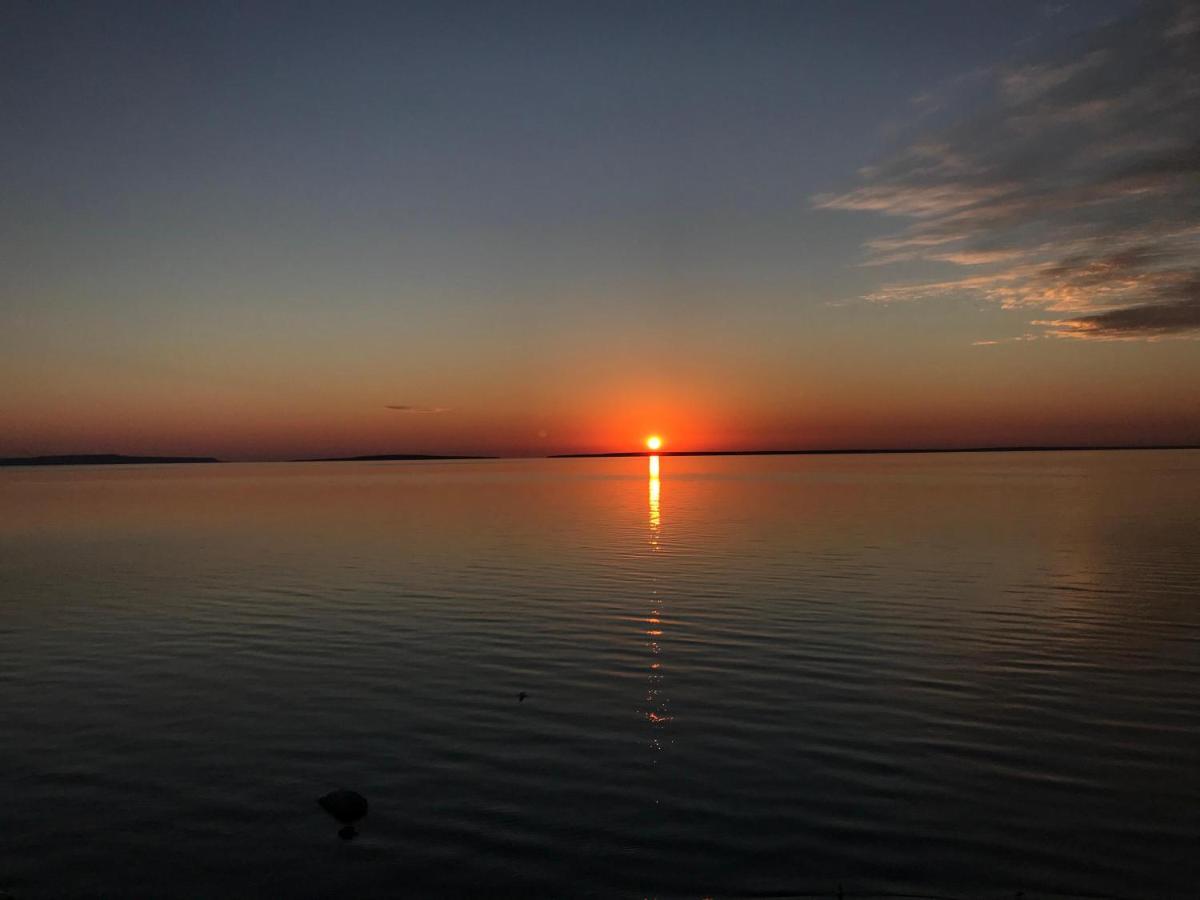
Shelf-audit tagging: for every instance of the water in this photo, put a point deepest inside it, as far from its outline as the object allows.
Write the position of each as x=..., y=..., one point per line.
x=961, y=674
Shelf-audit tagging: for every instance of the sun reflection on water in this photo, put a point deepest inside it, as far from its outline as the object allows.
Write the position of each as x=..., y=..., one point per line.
x=656, y=703
x=655, y=510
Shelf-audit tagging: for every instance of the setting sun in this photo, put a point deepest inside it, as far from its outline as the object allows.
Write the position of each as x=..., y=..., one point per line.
x=653, y=442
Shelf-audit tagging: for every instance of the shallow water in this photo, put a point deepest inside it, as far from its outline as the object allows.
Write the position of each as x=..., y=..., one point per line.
x=964, y=674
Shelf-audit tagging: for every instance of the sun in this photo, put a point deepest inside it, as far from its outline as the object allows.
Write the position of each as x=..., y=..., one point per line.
x=653, y=442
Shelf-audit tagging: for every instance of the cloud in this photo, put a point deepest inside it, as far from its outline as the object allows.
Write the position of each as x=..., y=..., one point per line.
x=1180, y=317
x=1032, y=81
x=1011, y=340
x=1073, y=186
x=400, y=407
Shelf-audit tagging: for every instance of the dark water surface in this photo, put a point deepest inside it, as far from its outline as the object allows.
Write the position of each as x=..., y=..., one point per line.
x=969, y=674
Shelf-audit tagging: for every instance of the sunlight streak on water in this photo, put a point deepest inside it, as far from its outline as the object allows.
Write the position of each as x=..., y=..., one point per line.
x=655, y=500
x=656, y=700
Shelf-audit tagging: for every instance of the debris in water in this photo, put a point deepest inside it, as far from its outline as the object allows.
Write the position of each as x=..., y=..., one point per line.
x=347, y=807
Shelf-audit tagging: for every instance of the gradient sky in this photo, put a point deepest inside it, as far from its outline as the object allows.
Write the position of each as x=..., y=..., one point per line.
x=260, y=230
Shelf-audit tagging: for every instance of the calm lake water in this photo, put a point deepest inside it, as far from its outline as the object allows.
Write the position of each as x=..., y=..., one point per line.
x=965, y=674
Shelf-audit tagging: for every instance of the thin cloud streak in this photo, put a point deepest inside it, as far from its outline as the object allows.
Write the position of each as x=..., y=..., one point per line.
x=1075, y=188
x=399, y=407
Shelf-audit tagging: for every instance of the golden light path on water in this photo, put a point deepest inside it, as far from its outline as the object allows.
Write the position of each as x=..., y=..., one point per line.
x=656, y=703
x=655, y=493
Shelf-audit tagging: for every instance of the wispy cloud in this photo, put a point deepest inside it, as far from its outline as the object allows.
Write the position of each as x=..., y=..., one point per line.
x=1074, y=188
x=1010, y=340
x=401, y=407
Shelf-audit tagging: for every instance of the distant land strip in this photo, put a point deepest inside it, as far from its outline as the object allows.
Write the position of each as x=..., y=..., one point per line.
x=862, y=450
x=386, y=457
x=117, y=459
x=101, y=459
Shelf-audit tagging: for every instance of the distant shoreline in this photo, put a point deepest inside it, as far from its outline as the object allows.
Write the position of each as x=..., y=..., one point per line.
x=864, y=451
x=117, y=459
x=390, y=457
x=103, y=459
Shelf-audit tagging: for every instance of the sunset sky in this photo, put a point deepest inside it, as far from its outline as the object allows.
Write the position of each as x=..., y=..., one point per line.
x=261, y=231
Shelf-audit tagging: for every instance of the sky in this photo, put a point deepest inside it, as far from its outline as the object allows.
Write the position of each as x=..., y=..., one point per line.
x=275, y=231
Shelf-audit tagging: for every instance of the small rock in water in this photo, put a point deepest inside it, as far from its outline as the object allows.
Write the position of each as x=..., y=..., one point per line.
x=521, y=697
x=345, y=806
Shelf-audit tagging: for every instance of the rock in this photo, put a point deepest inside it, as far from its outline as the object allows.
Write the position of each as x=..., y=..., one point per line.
x=345, y=806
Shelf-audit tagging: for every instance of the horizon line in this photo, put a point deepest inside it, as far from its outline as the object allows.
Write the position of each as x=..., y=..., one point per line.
x=852, y=451
x=84, y=459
